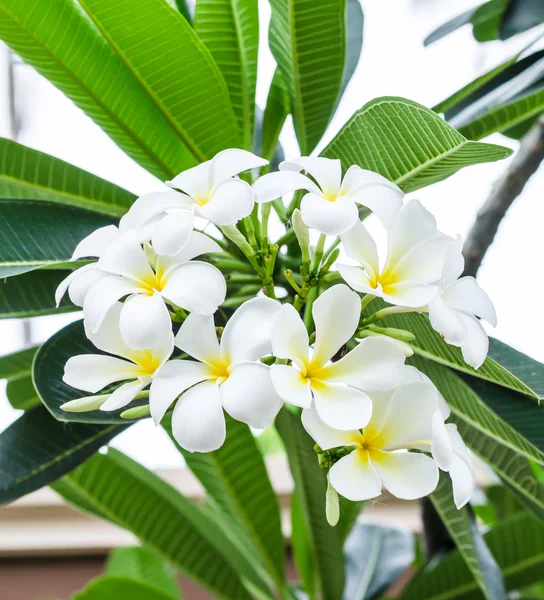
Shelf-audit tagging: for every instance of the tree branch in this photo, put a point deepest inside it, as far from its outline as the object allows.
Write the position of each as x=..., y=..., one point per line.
x=504, y=192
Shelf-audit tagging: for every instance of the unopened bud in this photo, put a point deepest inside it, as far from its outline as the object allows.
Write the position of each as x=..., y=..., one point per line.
x=137, y=412
x=398, y=334
x=301, y=229
x=86, y=404
x=332, y=505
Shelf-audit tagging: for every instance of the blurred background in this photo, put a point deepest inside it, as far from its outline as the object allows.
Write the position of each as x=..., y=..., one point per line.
x=394, y=62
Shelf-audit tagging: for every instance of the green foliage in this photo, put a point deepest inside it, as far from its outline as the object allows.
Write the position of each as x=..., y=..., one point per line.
x=416, y=146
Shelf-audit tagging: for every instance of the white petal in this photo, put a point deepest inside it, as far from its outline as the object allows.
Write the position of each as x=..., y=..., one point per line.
x=461, y=472
x=406, y=475
x=198, y=244
x=454, y=263
x=291, y=386
x=374, y=364
x=326, y=171
x=197, y=338
x=331, y=218
x=67, y=282
x=126, y=257
x=275, y=185
x=357, y=279
x=441, y=447
x=447, y=322
x=249, y=396
x=92, y=372
x=410, y=293
x=360, y=246
x=411, y=375
x=125, y=394
x=354, y=477
x=409, y=417
x=195, y=286
x=148, y=206
x=198, y=422
x=336, y=316
x=247, y=334
x=290, y=336
x=102, y=295
x=341, y=407
x=412, y=225
x=83, y=282
x=230, y=162
x=108, y=336
x=466, y=295
x=196, y=182
x=425, y=261
x=172, y=232
x=326, y=437
x=96, y=243
x=230, y=201
x=173, y=379
x=476, y=344
x=145, y=321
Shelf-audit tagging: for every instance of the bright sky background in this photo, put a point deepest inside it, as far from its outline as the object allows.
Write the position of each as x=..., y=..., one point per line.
x=394, y=62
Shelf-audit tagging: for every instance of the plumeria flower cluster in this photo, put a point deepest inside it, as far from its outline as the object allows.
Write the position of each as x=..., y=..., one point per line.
x=158, y=296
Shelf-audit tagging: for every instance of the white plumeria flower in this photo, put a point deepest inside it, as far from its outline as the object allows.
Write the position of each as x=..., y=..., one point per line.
x=331, y=205
x=224, y=375
x=149, y=281
x=337, y=389
x=93, y=372
x=414, y=262
x=401, y=421
x=454, y=310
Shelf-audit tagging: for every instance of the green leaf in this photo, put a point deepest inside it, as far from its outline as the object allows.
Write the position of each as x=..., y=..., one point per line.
x=354, y=41
x=349, y=512
x=407, y=143
x=116, y=587
x=31, y=175
x=235, y=477
x=163, y=519
x=303, y=553
x=36, y=450
x=109, y=94
x=35, y=234
x=230, y=31
x=276, y=111
x=450, y=26
x=32, y=294
x=142, y=565
x=17, y=364
x=517, y=543
x=520, y=16
x=325, y=541
x=48, y=370
x=467, y=538
x=22, y=394
x=166, y=57
x=473, y=409
x=310, y=61
x=183, y=8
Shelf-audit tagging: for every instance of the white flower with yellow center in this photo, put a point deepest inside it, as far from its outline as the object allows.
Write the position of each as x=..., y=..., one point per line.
x=331, y=204
x=149, y=282
x=94, y=372
x=454, y=311
x=224, y=375
x=415, y=258
x=402, y=421
x=338, y=389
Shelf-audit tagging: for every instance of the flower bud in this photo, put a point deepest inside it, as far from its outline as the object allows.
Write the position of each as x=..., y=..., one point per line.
x=86, y=404
x=301, y=229
x=136, y=412
x=332, y=505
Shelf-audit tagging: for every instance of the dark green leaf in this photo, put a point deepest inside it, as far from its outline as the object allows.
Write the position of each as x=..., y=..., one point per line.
x=310, y=487
x=450, y=26
x=407, y=143
x=21, y=393
x=166, y=521
x=36, y=450
x=311, y=63
x=275, y=113
x=303, y=553
x=35, y=234
x=520, y=16
x=487, y=20
x=354, y=41
x=116, y=587
x=17, y=364
x=183, y=8
x=28, y=174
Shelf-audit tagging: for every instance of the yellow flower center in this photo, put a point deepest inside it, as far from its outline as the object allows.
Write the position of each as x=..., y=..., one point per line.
x=329, y=196
x=387, y=280
x=147, y=362
x=154, y=282
x=220, y=370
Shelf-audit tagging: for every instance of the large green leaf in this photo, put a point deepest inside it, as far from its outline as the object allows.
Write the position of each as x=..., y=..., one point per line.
x=354, y=41
x=325, y=542
x=36, y=450
x=407, y=143
x=166, y=521
x=141, y=564
x=275, y=112
x=467, y=538
x=230, y=31
x=473, y=409
x=82, y=64
x=16, y=368
x=22, y=394
x=48, y=370
x=235, y=477
x=35, y=234
x=520, y=16
x=17, y=364
x=31, y=175
x=517, y=543
x=167, y=58
x=32, y=294
x=110, y=587
x=308, y=41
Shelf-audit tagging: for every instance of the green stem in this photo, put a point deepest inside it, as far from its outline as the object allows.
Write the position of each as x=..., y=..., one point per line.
x=265, y=215
x=250, y=230
x=289, y=276
x=367, y=299
x=268, y=279
x=236, y=236
x=319, y=250
x=308, y=318
x=286, y=237
x=332, y=247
